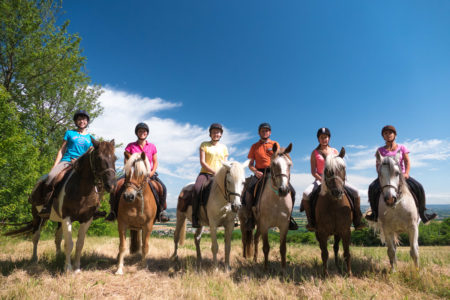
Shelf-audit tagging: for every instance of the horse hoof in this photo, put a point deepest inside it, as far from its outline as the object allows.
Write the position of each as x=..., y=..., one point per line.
x=119, y=272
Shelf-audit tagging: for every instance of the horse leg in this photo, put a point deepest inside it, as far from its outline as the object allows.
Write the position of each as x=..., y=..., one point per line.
x=390, y=242
x=283, y=236
x=146, y=231
x=266, y=247
x=228, y=232
x=337, y=239
x=80, y=243
x=68, y=243
x=179, y=234
x=122, y=228
x=324, y=252
x=256, y=242
x=36, y=237
x=346, y=245
x=58, y=238
x=197, y=238
x=214, y=244
x=414, y=245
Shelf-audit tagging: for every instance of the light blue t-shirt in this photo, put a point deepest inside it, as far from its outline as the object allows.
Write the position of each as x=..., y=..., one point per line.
x=77, y=144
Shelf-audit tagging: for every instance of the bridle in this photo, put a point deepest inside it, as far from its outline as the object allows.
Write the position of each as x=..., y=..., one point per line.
x=274, y=177
x=227, y=193
x=97, y=175
x=139, y=191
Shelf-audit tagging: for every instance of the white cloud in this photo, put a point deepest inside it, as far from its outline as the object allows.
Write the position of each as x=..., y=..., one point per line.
x=356, y=146
x=177, y=143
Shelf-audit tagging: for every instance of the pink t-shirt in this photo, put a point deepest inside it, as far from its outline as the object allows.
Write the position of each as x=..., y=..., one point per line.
x=320, y=161
x=149, y=150
x=400, y=148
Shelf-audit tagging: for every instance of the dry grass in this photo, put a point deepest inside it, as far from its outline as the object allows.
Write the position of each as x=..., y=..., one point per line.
x=163, y=279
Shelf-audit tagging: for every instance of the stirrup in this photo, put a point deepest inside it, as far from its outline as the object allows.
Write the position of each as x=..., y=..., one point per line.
x=99, y=214
x=164, y=217
x=292, y=224
x=428, y=217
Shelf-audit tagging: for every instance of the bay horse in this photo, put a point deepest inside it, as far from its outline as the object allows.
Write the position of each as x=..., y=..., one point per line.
x=274, y=207
x=397, y=209
x=223, y=202
x=137, y=207
x=333, y=211
x=77, y=200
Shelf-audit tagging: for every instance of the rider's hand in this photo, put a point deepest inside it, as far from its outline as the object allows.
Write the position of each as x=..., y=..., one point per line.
x=258, y=174
x=406, y=175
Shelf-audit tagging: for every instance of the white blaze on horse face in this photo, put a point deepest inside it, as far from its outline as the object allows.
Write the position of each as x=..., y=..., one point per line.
x=389, y=179
x=283, y=165
x=235, y=181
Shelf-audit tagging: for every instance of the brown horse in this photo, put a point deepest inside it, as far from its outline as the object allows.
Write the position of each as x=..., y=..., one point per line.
x=76, y=200
x=273, y=209
x=137, y=207
x=333, y=213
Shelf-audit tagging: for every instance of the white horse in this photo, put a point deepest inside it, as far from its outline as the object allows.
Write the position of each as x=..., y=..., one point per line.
x=397, y=211
x=223, y=203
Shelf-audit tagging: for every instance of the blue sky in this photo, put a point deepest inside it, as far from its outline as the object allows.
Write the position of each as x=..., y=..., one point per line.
x=351, y=66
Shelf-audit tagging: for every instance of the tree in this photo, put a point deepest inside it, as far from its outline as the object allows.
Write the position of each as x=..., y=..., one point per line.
x=43, y=70
x=18, y=163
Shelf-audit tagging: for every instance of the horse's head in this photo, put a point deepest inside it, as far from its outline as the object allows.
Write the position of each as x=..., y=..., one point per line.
x=391, y=178
x=137, y=170
x=103, y=163
x=334, y=174
x=280, y=169
x=234, y=179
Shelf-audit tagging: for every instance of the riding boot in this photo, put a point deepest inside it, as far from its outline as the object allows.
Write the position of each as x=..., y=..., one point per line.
x=357, y=214
x=307, y=206
x=113, y=208
x=374, y=194
x=195, y=207
x=164, y=217
x=419, y=195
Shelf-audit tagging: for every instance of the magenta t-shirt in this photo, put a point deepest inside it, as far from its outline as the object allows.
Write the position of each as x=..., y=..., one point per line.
x=149, y=150
x=400, y=148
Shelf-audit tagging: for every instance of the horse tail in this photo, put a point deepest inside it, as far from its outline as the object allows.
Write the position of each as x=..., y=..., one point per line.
x=27, y=229
x=135, y=241
x=247, y=242
x=182, y=233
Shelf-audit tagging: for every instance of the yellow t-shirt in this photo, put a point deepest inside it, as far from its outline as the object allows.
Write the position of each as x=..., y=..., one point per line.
x=214, y=155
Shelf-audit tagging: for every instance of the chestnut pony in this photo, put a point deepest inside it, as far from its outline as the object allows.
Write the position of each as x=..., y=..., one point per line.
x=333, y=213
x=137, y=207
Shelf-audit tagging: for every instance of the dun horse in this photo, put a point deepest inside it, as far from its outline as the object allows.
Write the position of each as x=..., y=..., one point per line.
x=77, y=200
x=397, y=209
x=333, y=213
x=274, y=207
x=223, y=203
x=137, y=207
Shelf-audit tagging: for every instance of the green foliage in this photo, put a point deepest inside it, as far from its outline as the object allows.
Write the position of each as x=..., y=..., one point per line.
x=18, y=160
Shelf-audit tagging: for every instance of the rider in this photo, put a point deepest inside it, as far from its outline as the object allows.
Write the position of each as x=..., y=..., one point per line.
x=260, y=155
x=142, y=145
x=317, y=167
x=76, y=143
x=212, y=154
x=391, y=149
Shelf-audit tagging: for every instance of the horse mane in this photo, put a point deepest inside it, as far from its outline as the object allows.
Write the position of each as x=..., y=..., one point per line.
x=336, y=164
x=136, y=166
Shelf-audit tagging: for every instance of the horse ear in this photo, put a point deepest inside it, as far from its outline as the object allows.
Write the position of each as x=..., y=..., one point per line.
x=246, y=163
x=127, y=155
x=378, y=157
x=342, y=153
x=112, y=142
x=275, y=148
x=94, y=142
x=227, y=164
x=143, y=155
x=288, y=149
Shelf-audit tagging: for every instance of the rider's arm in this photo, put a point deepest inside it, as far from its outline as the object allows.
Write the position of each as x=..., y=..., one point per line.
x=407, y=164
x=155, y=164
x=203, y=162
x=314, y=167
x=252, y=168
x=60, y=154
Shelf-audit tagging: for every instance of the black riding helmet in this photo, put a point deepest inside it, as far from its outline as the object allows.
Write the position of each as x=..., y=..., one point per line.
x=81, y=113
x=215, y=126
x=143, y=126
x=264, y=125
x=323, y=130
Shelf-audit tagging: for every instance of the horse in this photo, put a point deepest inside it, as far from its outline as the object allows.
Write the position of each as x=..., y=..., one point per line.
x=274, y=207
x=333, y=212
x=397, y=209
x=77, y=200
x=223, y=203
x=137, y=207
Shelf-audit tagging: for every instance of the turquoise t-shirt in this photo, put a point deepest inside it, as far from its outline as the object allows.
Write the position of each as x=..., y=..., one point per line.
x=77, y=144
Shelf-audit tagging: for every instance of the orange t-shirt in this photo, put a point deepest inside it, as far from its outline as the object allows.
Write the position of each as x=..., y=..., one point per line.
x=261, y=153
